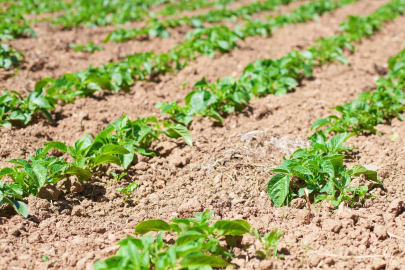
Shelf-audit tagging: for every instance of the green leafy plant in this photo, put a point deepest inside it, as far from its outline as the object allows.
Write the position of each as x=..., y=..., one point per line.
x=114, y=145
x=118, y=177
x=320, y=170
x=269, y=243
x=9, y=57
x=127, y=191
x=196, y=244
x=90, y=47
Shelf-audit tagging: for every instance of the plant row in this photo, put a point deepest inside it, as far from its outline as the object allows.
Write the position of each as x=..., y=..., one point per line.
x=276, y=76
x=101, y=13
x=143, y=66
x=156, y=28
x=9, y=57
x=88, y=13
x=197, y=244
x=116, y=144
x=320, y=168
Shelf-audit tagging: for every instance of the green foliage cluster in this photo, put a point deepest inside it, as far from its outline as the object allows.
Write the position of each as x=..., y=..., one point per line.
x=308, y=11
x=276, y=76
x=144, y=66
x=117, y=144
x=320, y=170
x=9, y=56
x=90, y=47
x=196, y=246
x=156, y=28
x=101, y=13
x=373, y=107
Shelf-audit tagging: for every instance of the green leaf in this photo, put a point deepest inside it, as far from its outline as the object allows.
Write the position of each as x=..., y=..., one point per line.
x=114, y=149
x=152, y=225
x=232, y=227
x=371, y=175
x=104, y=159
x=278, y=187
x=80, y=173
x=127, y=159
x=20, y=207
x=178, y=130
x=56, y=145
x=41, y=173
x=199, y=260
x=189, y=236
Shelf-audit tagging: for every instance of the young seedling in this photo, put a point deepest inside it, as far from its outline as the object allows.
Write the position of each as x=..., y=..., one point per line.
x=90, y=47
x=128, y=190
x=118, y=177
x=269, y=243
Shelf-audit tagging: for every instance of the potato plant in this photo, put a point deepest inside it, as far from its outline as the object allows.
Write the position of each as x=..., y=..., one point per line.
x=277, y=76
x=115, y=145
x=9, y=57
x=197, y=244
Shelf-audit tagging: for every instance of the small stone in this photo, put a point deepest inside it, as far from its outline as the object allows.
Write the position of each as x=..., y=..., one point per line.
x=379, y=263
x=266, y=265
x=34, y=237
x=141, y=166
x=395, y=207
x=165, y=148
x=298, y=203
x=78, y=210
x=380, y=231
x=49, y=191
x=191, y=206
x=332, y=225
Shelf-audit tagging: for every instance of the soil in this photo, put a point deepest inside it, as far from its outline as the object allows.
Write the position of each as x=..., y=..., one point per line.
x=226, y=169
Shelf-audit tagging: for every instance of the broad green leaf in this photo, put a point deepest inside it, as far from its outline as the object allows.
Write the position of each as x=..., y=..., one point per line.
x=189, y=236
x=41, y=173
x=278, y=188
x=152, y=225
x=114, y=149
x=20, y=207
x=127, y=159
x=56, y=145
x=371, y=175
x=178, y=130
x=201, y=259
x=232, y=227
x=104, y=159
x=80, y=173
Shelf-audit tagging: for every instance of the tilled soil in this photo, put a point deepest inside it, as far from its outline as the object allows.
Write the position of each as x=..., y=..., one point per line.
x=227, y=169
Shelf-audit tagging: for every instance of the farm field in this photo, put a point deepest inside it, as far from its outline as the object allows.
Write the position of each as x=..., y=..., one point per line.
x=281, y=121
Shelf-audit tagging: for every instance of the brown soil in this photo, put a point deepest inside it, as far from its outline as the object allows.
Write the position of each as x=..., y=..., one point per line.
x=227, y=169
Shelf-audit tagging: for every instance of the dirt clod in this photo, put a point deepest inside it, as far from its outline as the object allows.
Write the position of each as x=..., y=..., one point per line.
x=49, y=191
x=78, y=210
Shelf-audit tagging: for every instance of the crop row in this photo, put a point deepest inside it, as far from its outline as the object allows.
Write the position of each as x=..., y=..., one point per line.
x=276, y=76
x=9, y=57
x=320, y=167
x=145, y=66
x=100, y=13
x=89, y=13
x=197, y=244
x=156, y=28
x=116, y=144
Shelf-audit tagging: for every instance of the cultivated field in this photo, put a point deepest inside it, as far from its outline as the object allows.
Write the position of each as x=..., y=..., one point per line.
x=202, y=134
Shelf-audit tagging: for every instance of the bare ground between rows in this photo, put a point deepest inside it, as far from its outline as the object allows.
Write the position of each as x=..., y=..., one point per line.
x=227, y=170
x=50, y=54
